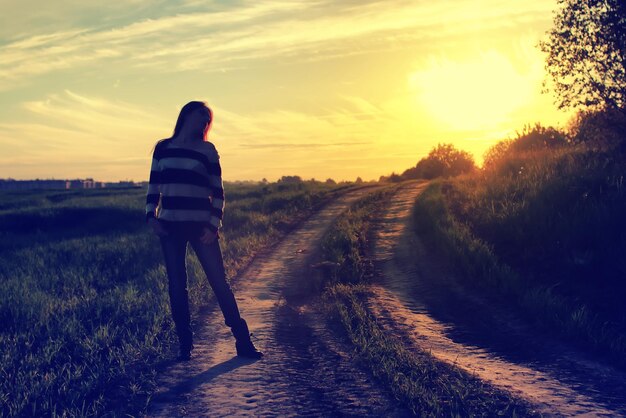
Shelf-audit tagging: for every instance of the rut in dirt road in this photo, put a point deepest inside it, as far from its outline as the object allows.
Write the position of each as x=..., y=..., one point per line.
x=304, y=371
x=415, y=298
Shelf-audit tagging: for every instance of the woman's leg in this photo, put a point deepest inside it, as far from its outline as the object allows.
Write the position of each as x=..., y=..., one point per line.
x=174, y=250
x=210, y=257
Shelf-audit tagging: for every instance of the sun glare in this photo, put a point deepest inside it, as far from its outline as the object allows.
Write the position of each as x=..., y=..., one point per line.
x=479, y=93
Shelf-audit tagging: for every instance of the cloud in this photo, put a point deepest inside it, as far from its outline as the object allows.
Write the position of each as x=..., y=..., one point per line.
x=351, y=121
x=40, y=54
x=287, y=145
x=72, y=128
x=91, y=114
x=209, y=41
x=329, y=123
x=115, y=136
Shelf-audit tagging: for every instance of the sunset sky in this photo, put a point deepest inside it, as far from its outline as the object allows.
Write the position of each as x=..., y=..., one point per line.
x=312, y=88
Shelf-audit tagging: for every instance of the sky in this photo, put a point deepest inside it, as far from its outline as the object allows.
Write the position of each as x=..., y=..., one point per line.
x=320, y=89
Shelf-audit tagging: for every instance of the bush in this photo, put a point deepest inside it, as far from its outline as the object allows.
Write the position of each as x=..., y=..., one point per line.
x=508, y=156
x=442, y=161
x=599, y=129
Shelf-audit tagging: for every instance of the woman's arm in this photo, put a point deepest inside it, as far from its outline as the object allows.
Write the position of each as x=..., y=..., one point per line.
x=217, y=193
x=154, y=194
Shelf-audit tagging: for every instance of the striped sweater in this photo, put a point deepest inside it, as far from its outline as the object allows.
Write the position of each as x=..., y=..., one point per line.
x=188, y=184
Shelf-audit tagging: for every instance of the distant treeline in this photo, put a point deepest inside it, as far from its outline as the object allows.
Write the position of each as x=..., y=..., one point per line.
x=594, y=130
x=298, y=179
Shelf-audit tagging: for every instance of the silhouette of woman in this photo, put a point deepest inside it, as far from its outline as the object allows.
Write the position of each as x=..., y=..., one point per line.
x=186, y=180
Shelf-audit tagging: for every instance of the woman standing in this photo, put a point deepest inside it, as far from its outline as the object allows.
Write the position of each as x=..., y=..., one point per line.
x=186, y=177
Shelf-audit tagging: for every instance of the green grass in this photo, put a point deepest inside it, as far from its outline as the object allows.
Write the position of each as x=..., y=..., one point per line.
x=345, y=243
x=84, y=308
x=426, y=386
x=547, y=231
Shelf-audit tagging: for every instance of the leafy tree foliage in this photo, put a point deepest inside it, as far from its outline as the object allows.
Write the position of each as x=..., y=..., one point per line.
x=587, y=54
x=442, y=161
x=506, y=155
x=290, y=179
x=603, y=129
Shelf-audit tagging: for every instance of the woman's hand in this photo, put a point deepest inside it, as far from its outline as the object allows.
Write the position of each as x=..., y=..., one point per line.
x=157, y=227
x=208, y=237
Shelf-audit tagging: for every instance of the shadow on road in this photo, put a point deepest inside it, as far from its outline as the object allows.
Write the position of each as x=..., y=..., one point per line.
x=187, y=386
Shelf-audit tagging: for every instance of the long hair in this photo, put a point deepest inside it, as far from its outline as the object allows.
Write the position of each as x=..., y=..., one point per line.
x=186, y=111
x=182, y=116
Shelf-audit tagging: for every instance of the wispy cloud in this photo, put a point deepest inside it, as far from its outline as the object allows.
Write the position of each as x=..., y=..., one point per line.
x=288, y=109
x=258, y=30
x=72, y=128
x=88, y=113
x=67, y=49
x=115, y=135
x=350, y=120
x=301, y=145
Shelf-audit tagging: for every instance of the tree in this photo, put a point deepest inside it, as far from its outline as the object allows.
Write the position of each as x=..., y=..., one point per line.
x=496, y=154
x=443, y=160
x=538, y=137
x=454, y=161
x=587, y=54
x=395, y=178
x=505, y=155
x=429, y=168
x=599, y=128
x=290, y=179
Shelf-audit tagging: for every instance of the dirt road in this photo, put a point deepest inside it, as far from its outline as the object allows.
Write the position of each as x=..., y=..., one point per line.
x=304, y=372
x=416, y=298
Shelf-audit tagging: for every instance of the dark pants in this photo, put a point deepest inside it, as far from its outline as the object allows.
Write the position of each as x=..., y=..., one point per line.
x=210, y=256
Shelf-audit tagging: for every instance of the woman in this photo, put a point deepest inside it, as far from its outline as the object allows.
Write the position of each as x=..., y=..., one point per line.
x=186, y=177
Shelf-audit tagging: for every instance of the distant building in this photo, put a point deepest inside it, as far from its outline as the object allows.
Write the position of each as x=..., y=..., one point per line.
x=11, y=184
x=88, y=183
x=123, y=184
x=74, y=184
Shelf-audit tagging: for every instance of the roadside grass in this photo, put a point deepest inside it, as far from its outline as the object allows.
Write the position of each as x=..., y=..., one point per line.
x=84, y=310
x=548, y=233
x=426, y=386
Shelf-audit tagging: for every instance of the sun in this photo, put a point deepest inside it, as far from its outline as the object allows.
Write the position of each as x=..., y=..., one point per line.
x=477, y=93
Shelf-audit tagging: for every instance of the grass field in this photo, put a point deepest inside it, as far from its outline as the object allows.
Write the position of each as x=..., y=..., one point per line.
x=84, y=308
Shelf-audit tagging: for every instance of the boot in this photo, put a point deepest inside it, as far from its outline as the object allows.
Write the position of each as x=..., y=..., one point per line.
x=243, y=343
x=184, y=353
